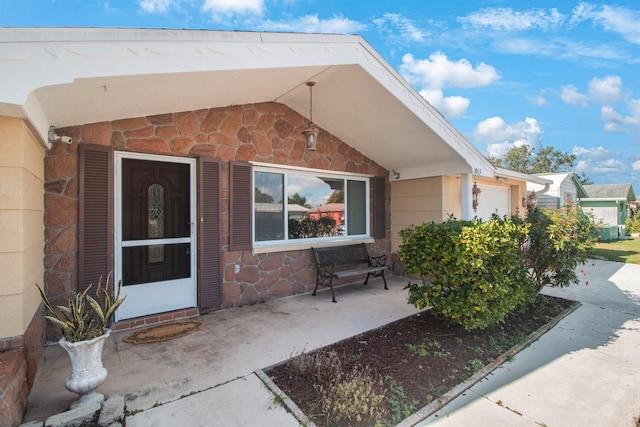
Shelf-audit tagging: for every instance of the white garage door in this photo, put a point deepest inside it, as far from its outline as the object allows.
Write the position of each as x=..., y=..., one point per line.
x=493, y=199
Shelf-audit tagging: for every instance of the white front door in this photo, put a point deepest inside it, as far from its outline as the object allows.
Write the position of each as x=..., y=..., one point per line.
x=155, y=234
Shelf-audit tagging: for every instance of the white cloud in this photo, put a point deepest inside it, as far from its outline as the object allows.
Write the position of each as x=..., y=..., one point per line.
x=607, y=166
x=405, y=27
x=596, y=160
x=313, y=24
x=500, y=136
x=591, y=153
x=450, y=106
x=581, y=165
x=616, y=122
x=617, y=19
x=606, y=91
x=636, y=165
x=539, y=101
x=571, y=95
x=220, y=8
x=504, y=18
x=438, y=72
x=155, y=6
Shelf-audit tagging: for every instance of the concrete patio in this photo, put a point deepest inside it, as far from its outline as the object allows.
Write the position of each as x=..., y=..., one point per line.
x=215, y=365
x=585, y=371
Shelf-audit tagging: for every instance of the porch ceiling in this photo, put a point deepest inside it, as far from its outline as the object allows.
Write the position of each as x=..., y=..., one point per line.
x=101, y=75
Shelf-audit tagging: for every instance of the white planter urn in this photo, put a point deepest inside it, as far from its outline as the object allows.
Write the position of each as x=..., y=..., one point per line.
x=87, y=372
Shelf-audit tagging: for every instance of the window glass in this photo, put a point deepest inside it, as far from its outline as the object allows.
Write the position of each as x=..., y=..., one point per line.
x=318, y=206
x=357, y=219
x=315, y=206
x=156, y=221
x=268, y=205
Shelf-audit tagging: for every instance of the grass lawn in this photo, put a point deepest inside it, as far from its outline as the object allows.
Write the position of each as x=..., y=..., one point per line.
x=618, y=250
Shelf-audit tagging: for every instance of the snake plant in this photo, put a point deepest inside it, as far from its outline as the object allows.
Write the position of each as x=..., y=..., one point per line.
x=78, y=318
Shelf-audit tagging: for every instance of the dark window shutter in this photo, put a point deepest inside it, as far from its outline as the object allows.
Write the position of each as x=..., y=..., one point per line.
x=241, y=194
x=95, y=225
x=209, y=263
x=379, y=204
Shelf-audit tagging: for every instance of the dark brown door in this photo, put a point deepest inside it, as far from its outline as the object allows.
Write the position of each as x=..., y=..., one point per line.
x=156, y=236
x=155, y=205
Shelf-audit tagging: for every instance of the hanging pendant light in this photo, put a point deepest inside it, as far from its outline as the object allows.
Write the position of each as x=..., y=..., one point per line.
x=311, y=132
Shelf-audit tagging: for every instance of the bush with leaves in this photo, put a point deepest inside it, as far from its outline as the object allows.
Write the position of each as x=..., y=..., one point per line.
x=559, y=241
x=633, y=224
x=308, y=227
x=472, y=271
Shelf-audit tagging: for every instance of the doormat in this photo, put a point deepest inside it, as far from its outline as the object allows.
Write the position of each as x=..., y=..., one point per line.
x=165, y=332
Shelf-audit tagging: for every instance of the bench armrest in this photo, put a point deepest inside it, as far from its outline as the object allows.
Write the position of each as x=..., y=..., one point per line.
x=378, y=261
x=326, y=270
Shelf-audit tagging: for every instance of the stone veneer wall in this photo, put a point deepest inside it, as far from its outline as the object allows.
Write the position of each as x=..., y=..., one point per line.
x=266, y=132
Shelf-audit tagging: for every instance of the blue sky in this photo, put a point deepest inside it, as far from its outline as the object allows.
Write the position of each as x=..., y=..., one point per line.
x=564, y=74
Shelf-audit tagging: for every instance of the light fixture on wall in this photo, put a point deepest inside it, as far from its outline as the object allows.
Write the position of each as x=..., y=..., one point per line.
x=53, y=136
x=311, y=132
x=532, y=201
x=475, y=191
x=396, y=174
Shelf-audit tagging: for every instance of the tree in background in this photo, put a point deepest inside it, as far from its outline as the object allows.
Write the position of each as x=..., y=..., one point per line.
x=525, y=159
x=297, y=199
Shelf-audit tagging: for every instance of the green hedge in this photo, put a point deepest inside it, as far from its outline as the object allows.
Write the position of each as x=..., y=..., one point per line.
x=472, y=271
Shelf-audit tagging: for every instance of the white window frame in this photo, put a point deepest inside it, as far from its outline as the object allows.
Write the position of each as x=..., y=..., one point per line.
x=297, y=244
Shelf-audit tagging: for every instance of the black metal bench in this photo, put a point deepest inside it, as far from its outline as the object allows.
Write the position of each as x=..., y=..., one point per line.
x=344, y=261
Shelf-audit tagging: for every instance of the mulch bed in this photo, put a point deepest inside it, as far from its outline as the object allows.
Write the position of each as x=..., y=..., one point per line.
x=420, y=356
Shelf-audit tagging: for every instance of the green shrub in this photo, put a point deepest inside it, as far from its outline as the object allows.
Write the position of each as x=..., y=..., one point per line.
x=559, y=240
x=633, y=224
x=471, y=271
x=474, y=273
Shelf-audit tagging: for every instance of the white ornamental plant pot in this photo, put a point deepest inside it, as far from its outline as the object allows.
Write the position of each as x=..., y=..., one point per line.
x=87, y=372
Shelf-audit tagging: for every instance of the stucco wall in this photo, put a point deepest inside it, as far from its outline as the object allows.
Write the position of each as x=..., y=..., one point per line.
x=434, y=199
x=267, y=132
x=21, y=228
x=419, y=200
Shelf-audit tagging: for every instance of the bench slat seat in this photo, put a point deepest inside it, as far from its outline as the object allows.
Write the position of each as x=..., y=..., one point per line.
x=346, y=261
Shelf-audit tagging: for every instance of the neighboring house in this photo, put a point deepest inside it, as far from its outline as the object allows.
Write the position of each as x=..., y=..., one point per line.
x=565, y=188
x=335, y=211
x=140, y=152
x=610, y=204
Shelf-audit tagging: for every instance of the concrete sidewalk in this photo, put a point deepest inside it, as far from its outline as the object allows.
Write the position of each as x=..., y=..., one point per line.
x=585, y=371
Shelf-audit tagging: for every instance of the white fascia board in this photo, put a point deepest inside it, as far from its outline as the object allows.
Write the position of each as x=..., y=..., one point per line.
x=457, y=168
x=506, y=173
